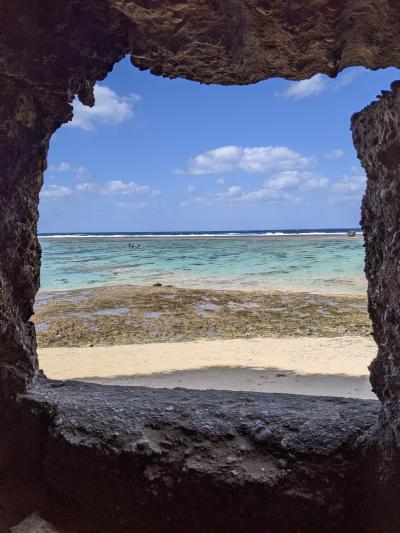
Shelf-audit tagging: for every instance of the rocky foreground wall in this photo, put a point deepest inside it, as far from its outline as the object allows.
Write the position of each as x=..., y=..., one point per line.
x=139, y=460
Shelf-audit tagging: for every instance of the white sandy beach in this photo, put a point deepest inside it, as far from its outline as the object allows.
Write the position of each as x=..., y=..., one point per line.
x=301, y=365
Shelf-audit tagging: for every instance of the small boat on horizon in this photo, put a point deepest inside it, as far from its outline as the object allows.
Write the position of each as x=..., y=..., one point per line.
x=351, y=233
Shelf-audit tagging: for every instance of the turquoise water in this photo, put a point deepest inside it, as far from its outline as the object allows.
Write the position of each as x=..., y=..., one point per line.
x=327, y=263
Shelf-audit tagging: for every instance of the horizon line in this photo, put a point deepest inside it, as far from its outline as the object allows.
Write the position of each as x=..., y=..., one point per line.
x=203, y=230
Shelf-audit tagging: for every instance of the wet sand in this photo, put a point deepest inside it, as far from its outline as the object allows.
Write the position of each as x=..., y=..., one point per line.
x=302, y=365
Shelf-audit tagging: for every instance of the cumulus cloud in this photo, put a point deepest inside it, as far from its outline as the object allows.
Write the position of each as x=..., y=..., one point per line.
x=132, y=205
x=351, y=184
x=110, y=108
x=235, y=191
x=272, y=158
x=80, y=171
x=318, y=84
x=219, y=160
x=345, y=78
x=315, y=183
x=349, y=189
x=86, y=187
x=298, y=90
x=283, y=187
x=190, y=189
x=336, y=153
x=61, y=167
x=117, y=187
x=255, y=159
x=268, y=195
x=294, y=179
x=55, y=191
x=220, y=181
x=288, y=179
x=235, y=195
x=124, y=188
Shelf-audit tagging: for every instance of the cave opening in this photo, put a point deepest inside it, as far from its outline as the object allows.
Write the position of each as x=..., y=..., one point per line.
x=127, y=279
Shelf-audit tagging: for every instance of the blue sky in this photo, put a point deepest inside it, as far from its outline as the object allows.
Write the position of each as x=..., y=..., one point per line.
x=160, y=155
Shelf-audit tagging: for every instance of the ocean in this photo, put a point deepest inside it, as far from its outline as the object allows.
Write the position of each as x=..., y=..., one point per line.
x=318, y=260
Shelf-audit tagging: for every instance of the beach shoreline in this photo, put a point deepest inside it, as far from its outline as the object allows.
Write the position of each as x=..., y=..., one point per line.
x=165, y=336
x=335, y=366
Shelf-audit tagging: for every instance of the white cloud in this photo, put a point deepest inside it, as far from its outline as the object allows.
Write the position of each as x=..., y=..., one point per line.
x=235, y=191
x=319, y=84
x=80, y=171
x=280, y=187
x=349, y=189
x=190, y=189
x=336, y=153
x=272, y=158
x=288, y=179
x=221, y=159
x=110, y=108
x=315, y=183
x=248, y=159
x=345, y=78
x=132, y=205
x=117, y=187
x=235, y=195
x=61, y=167
x=351, y=184
x=124, y=188
x=305, y=88
x=86, y=187
x=55, y=191
x=268, y=195
x=220, y=181
x=293, y=179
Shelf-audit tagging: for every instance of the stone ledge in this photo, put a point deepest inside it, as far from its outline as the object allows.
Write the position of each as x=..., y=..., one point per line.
x=152, y=460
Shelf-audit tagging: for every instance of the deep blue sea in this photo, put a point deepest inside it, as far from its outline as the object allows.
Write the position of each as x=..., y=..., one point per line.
x=317, y=260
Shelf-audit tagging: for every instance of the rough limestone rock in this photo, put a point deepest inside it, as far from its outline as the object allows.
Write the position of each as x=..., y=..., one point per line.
x=376, y=134
x=136, y=459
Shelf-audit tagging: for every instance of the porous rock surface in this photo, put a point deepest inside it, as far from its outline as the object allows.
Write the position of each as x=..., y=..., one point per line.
x=376, y=135
x=51, y=51
x=138, y=459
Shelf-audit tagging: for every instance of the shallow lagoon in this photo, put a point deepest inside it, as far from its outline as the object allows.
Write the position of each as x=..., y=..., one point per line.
x=325, y=263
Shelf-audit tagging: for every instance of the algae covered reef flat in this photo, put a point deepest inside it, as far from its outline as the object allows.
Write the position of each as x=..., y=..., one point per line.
x=135, y=314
